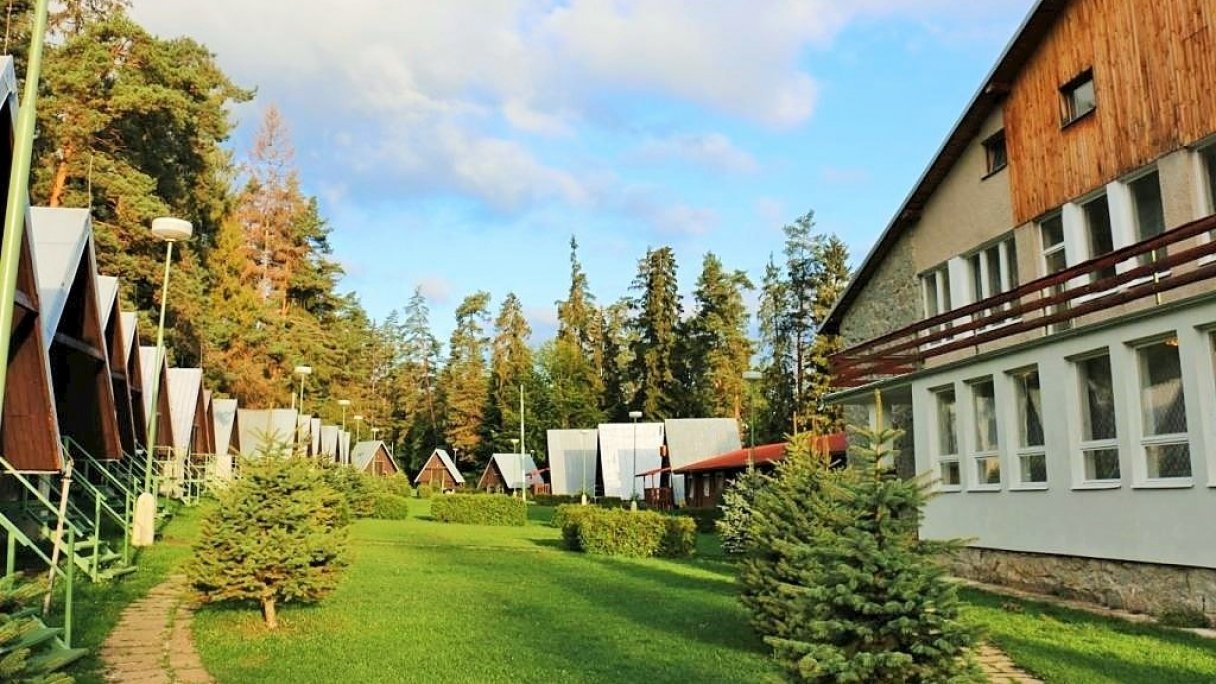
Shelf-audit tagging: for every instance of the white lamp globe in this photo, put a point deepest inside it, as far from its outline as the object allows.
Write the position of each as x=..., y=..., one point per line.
x=172, y=229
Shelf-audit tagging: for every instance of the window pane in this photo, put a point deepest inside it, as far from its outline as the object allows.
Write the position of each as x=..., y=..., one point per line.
x=1052, y=231
x=1101, y=464
x=1209, y=156
x=1101, y=240
x=1081, y=98
x=985, y=416
x=1161, y=394
x=1030, y=409
x=977, y=277
x=1034, y=467
x=1097, y=399
x=1150, y=215
x=988, y=470
x=950, y=473
x=931, y=306
x=993, y=255
x=946, y=424
x=1011, y=262
x=1168, y=460
x=1055, y=262
x=944, y=276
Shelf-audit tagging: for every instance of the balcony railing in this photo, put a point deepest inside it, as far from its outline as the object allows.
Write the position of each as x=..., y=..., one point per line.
x=1049, y=303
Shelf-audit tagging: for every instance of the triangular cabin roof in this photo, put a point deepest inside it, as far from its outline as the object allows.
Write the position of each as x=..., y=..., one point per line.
x=364, y=453
x=572, y=460
x=508, y=466
x=185, y=409
x=344, y=446
x=316, y=436
x=29, y=431
x=329, y=441
x=988, y=97
x=265, y=429
x=209, y=421
x=694, y=439
x=223, y=412
x=447, y=462
x=149, y=370
x=304, y=434
x=115, y=337
x=73, y=330
x=627, y=449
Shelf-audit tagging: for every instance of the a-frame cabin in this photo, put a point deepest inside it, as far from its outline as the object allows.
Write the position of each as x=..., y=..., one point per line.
x=72, y=328
x=150, y=371
x=29, y=430
x=111, y=320
x=373, y=458
x=187, y=411
x=440, y=472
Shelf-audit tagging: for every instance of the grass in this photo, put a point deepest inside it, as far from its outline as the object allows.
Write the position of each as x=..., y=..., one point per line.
x=1074, y=647
x=98, y=606
x=428, y=602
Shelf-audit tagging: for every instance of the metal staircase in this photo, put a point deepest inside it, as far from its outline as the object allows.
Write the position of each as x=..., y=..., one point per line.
x=35, y=518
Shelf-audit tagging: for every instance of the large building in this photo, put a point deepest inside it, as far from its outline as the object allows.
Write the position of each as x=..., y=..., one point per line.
x=1040, y=314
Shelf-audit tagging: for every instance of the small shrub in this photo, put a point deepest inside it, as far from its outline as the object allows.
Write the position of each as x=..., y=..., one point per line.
x=391, y=507
x=1186, y=617
x=481, y=509
x=397, y=485
x=633, y=534
x=359, y=489
x=679, y=537
x=568, y=518
x=425, y=491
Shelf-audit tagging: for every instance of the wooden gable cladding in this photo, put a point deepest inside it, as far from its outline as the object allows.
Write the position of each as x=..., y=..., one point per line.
x=115, y=346
x=135, y=376
x=71, y=319
x=1154, y=75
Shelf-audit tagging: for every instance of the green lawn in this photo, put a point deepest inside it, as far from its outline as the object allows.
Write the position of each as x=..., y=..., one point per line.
x=98, y=606
x=428, y=602
x=1075, y=647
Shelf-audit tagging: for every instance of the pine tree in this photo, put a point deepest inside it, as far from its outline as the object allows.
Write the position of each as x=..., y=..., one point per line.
x=657, y=313
x=838, y=582
x=569, y=388
x=829, y=279
x=777, y=360
x=735, y=526
x=278, y=534
x=511, y=368
x=465, y=381
x=19, y=662
x=715, y=350
x=580, y=328
x=616, y=342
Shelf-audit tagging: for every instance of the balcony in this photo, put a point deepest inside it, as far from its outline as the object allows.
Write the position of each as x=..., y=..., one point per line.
x=1050, y=304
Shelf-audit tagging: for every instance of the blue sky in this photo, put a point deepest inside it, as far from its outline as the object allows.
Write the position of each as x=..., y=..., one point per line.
x=457, y=145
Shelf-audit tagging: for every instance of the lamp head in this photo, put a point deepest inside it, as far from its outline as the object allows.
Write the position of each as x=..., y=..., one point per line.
x=344, y=402
x=751, y=375
x=303, y=370
x=359, y=416
x=635, y=414
x=172, y=229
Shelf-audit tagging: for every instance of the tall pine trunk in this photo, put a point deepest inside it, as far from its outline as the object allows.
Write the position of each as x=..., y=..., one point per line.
x=61, y=177
x=269, y=613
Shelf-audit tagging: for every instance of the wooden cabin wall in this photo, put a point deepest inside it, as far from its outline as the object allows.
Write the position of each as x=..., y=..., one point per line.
x=27, y=432
x=435, y=473
x=1154, y=70
x=382, y=465
x=135, y=389
x=491, y=479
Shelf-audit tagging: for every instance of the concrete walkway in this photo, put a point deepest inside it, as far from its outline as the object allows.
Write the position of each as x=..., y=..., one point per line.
x=152, y=642
x=1000, y=669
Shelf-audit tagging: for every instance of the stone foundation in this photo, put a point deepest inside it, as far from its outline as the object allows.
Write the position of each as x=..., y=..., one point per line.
x=1135, y=587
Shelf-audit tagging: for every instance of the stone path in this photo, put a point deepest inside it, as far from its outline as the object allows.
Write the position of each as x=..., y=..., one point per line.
x=152, y=642
x=1000, y=669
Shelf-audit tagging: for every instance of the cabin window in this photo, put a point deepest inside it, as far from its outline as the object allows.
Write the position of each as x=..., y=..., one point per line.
x=1150, y=212
x=1099, y=233
x=994, y=270
x=986, y=451
x=1031, y=445
x=1051, y=232
x=1079, y=97
x=1207, y=157
x=1163, y=409
x=936, y=289
x=1099, y=448
x=947, y=437
x=996, y=153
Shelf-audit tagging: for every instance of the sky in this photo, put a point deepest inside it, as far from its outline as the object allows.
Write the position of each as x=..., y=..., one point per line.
x=456, y=145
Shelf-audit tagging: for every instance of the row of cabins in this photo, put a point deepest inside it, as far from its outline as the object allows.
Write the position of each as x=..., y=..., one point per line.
x=1039, y=316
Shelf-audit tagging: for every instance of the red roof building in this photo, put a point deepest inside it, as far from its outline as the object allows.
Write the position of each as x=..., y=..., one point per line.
x=708, y=478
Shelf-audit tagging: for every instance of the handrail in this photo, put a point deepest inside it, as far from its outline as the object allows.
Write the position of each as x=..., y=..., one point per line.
x=1008, y=313
x=53, y=509
x=73, y=448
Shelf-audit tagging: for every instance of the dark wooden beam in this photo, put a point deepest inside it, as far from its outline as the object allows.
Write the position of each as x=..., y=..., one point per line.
x=77, y=345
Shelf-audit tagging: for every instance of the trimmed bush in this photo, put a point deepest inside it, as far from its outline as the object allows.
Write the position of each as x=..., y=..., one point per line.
x=559, y=499
x=390, y=507
x=397, y=485
x=633, y=534
x=426, y=491
x=480, y=509
x=679, y=537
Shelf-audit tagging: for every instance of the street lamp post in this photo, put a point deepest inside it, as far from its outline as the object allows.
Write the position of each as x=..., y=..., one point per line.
x=358, y=426
x=751, y=376
x=520, y=458
x=171, y=230
x=582, y=457
x=633, y=472
x=303, y=372
x=344, y=403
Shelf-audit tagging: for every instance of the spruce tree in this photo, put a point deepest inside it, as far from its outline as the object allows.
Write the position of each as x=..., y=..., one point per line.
x=714, y=347
x=278, y=534
x=839, y=583
x=510, y=369
x=657, y=312
x=777, y=359
x=465, y=381
x=580, y=328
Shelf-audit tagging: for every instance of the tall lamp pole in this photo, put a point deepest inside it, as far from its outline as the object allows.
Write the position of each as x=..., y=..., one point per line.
x=582, y=457
x=633, y=472
x=303, y=372
x=358, y=426
x=520, y=458
x=170, y=230
x=751, y=376
x=344, y=403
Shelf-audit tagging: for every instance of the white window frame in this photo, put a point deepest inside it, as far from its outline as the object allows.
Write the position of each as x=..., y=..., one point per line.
x=1006, y=263
x=940, y=458
x=1124, y=223
x=1080, y=444
x=1145, y=440
x=1020, y=450
x=975, y=456
x=1205, y=187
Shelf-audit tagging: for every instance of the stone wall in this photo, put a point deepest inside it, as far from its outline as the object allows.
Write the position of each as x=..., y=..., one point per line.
x=888, y=300
x=1135, y=587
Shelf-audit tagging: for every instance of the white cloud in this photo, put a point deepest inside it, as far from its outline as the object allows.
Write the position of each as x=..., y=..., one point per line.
x=436, y=289
x=711, y=150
